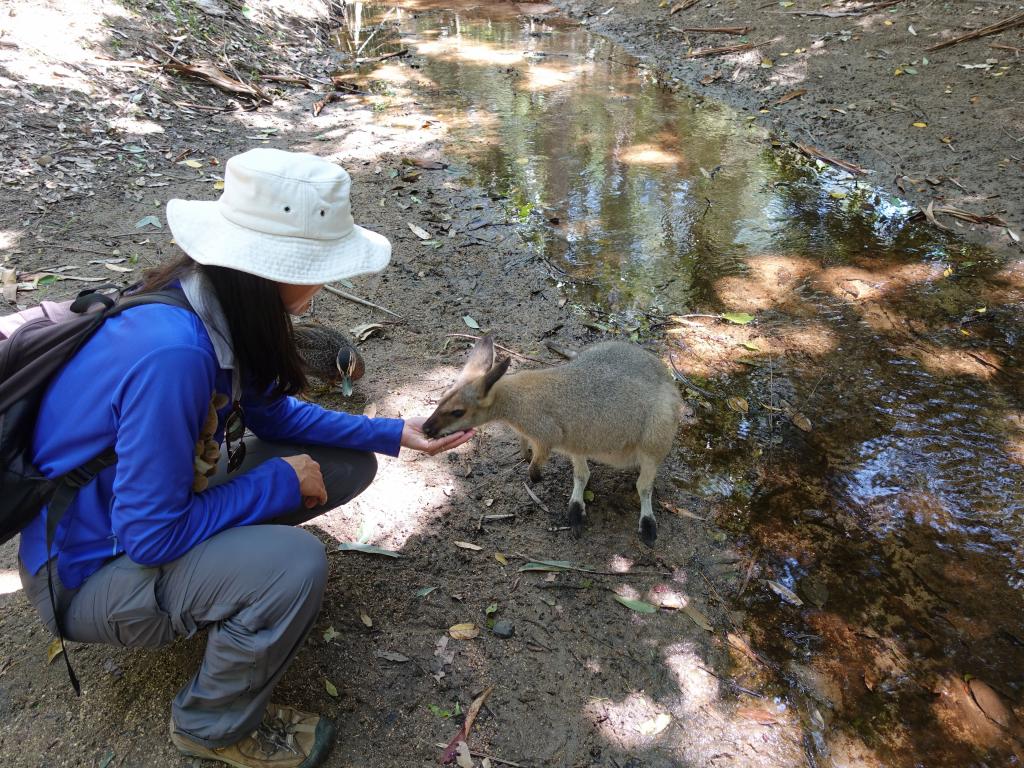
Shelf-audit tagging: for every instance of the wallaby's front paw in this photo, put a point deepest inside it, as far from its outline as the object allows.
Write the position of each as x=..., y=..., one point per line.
x=576, y=514
x=535, y=474
x=648, y=531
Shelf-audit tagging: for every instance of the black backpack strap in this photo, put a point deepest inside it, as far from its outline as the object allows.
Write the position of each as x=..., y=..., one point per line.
x=65, y=492
x=68, y=485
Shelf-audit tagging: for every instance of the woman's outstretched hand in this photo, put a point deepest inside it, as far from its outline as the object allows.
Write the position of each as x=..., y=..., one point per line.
x=413, y=437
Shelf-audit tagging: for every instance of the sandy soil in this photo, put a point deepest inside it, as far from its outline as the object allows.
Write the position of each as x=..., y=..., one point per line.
x=945, y=126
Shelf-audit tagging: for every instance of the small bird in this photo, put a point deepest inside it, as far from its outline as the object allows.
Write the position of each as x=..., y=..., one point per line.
x=329, y=355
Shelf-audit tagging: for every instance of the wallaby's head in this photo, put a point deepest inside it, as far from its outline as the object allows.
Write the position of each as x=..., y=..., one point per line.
x=467, y=403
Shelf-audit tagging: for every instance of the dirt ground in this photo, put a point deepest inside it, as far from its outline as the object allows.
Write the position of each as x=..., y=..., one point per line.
x=97, y=138
x=943, y=127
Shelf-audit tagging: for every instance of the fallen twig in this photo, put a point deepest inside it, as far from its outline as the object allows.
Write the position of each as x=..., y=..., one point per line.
x=536, y=499
x=350, y=297
x=512, y=352
x=208, y=71
x=492, y=758
x=385, y=57
x=991, y=29
x=842, y=165
x=724, y=50
x=932, y=210
x=715, y=30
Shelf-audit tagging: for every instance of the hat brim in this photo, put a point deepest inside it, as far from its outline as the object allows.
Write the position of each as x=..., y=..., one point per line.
x=203, y=233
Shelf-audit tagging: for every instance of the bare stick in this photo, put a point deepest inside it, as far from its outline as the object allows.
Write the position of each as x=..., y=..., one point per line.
x=351, y=297
x=725, y=49
x=991, y=29
x=498, y=346
x=715, y=30
x=492, y=758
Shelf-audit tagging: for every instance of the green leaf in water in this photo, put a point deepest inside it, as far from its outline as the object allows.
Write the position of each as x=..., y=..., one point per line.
x=490, y=609
x=471, y=322
x=369, y=549
x=740, y=318
x=636, y=605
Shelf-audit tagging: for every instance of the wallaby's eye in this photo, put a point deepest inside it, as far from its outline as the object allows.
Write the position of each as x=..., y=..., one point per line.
x=458, y=413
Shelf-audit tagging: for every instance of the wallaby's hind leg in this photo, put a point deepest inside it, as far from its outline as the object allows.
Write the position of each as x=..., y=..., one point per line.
x=539, y=455
x=577, y=505
x=645, y=487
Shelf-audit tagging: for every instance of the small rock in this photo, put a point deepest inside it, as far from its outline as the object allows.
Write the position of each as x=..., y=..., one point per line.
x=503, y=629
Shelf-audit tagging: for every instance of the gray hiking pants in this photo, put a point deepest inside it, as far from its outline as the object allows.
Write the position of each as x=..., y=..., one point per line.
x=257, y=589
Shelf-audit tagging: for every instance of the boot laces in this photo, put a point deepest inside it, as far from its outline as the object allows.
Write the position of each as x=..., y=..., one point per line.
x=274, y=735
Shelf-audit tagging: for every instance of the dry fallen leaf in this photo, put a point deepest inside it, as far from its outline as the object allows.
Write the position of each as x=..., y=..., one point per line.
x=465, y=631
x=365, y=618
x=655, y=725
x=421, y=233
x=55, y=649
x=801, y=421
x=738, y=404
x=501, y=558
x=785, y=593
x=467, y=545
x=698, y=618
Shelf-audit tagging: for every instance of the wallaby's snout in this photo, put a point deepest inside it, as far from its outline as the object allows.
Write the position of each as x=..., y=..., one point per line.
x=466, y=404
x=615, y=403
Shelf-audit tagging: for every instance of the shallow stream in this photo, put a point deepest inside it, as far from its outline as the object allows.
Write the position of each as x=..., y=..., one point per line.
x=871, y=457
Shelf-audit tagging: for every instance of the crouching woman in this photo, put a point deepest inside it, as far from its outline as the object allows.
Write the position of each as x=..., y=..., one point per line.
x=141, y=557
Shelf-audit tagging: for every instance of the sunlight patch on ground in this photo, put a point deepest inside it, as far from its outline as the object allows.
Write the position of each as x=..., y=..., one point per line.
x=135, y=127
x=699, y=688
x=8, y=239
x=633, y=722
x=45, y=45
x=10, y=582
x=770, y=281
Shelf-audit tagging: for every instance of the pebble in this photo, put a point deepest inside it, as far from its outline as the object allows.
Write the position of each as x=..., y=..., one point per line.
x=503, y=629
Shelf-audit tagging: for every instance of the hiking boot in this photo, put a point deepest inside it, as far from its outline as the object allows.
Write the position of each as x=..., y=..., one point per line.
x=287, y=738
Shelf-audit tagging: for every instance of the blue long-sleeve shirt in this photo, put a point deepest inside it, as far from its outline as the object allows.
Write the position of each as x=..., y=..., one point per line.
x=143, y=384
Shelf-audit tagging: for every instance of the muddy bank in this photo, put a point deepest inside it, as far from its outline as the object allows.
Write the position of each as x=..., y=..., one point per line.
x=857, y=82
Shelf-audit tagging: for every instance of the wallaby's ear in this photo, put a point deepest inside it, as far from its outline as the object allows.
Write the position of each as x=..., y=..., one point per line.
x=493, y=375
x=481, y=358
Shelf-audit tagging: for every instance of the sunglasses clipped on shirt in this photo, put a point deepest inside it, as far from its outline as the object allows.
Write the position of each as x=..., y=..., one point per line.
x=234, y=431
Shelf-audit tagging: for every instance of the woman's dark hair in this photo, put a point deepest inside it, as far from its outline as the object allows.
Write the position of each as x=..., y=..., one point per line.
x=261, y=328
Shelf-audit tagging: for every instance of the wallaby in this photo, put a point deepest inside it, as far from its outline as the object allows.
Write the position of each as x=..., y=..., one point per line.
x=615, y=403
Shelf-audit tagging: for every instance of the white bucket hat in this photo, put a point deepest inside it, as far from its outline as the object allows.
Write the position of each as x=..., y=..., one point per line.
x=284, y=216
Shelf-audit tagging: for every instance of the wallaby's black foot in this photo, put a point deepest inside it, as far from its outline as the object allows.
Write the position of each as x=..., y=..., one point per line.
x=576, y=513
x=648, y=531
x=535, y=474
